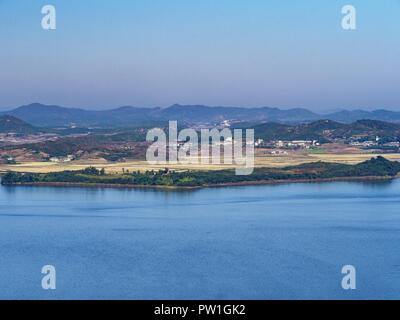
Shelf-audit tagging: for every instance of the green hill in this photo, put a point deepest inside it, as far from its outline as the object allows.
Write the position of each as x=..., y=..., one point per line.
x=326, y=130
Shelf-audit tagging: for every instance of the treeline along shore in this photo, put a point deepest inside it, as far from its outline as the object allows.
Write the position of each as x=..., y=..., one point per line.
x=375, y=168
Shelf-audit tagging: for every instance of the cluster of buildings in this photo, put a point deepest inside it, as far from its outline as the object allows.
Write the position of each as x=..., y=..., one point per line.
x=369, y=143
x=279, y=152
x=392, y=144
x=68, y=158
x=364, y=144
x=374, y=143
x=358, y=142
x=10, y=160
x=296, y=144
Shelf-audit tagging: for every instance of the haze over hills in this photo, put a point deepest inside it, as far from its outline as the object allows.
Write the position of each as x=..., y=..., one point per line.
x=45, y=115
x=10, y=124
x=354, y=115
x=51, y=116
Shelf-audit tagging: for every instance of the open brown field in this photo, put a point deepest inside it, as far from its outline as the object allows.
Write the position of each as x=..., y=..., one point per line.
x=261, y=160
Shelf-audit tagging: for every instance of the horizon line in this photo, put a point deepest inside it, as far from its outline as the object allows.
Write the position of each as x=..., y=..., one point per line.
x=332, y=110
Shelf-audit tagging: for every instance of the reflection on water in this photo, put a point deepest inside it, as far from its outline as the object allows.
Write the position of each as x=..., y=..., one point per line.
x=266, y=242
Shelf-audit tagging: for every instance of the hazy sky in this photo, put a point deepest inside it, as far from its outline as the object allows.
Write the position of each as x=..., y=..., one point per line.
x=277, y=53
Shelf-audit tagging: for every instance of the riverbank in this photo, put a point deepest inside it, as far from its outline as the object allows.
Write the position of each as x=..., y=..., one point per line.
x=374, y=169
x=182, y=188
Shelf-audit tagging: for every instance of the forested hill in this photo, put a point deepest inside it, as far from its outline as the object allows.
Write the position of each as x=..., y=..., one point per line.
x=325, y=130
x=10, y=124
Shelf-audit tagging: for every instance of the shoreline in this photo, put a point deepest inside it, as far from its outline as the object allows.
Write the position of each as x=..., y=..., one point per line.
x=219, y=185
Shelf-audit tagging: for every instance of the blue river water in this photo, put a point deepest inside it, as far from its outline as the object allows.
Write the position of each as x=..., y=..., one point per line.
x=285, y=241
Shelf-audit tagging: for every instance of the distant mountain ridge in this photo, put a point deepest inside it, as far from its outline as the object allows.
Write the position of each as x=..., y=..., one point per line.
x=51, y=115
x=354, y=115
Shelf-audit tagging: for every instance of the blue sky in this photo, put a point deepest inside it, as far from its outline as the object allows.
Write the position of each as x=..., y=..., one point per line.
x=239, y=53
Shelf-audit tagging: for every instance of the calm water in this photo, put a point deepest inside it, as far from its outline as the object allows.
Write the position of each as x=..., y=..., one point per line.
x=261, y=242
